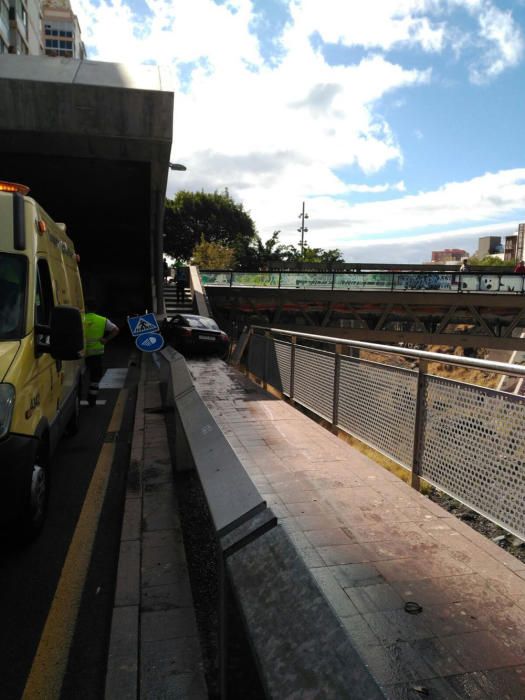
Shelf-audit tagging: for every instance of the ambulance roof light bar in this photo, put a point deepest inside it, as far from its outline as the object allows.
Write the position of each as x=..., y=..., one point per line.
x=13, y=187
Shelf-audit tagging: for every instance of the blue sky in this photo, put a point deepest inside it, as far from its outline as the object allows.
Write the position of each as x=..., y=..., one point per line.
x=398, y=122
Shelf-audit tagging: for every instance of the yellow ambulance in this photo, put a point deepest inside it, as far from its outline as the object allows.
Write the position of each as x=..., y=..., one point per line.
x=41, y=354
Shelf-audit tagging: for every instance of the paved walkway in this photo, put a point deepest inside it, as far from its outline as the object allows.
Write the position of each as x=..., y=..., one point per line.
x=373, y=544
x=154, y=647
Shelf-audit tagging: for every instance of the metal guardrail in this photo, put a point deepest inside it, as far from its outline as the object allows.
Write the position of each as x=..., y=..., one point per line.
x=492, y=283
x=465, y=439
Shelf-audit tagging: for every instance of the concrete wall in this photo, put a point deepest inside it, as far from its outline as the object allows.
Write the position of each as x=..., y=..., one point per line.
x=92, y=140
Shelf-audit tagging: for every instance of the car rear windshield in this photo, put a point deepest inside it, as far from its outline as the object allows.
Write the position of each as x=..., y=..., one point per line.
x=13, y=278
x=202, y=322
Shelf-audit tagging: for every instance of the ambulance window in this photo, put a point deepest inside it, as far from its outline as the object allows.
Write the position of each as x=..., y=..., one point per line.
x=44, y=294
x=13, y=275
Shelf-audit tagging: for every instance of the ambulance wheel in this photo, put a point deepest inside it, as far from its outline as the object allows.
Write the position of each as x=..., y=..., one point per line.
x=73, y=423
x=35, y=500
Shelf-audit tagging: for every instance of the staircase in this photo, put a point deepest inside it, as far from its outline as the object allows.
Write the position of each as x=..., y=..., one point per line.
x=172, y=306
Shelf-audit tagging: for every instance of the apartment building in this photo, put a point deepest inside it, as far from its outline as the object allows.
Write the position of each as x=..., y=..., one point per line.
x=511, y=243
x=4, y=26
x=448, y=255
x=514, y=244
x=21, y=27
x=520, y=242
x=62, y=35
x=33, y=28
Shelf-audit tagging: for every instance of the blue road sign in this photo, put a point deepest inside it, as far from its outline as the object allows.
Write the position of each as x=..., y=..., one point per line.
x=149, y=342
x=147, y=323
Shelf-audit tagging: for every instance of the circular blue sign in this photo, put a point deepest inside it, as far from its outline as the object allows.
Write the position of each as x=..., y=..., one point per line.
x=149, y=342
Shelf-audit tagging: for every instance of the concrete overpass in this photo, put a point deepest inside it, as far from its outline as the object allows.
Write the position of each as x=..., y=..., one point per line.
x=92, y=140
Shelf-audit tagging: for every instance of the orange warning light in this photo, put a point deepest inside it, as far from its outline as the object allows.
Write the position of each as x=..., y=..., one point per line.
x=13, y=187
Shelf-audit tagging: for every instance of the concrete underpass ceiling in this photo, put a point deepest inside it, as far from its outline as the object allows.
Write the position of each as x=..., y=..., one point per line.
x=92, y=140
x=101, y=202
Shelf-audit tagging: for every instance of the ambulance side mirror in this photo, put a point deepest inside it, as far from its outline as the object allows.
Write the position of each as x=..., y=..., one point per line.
x=66, y=333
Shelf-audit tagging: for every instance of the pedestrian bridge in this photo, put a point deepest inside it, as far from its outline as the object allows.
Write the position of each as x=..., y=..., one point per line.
x=473, y=310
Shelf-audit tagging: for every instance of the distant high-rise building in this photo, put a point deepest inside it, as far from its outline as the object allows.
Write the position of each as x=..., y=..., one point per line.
x=448, y=255
x=33, y=28
x=21, y=27
x=61, y=30
x=520, y=243
x=510, y=247
x=4, y=26
x=489, y=245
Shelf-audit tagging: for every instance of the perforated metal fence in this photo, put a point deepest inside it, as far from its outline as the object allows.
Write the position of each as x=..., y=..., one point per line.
x=377, y=404
x=474, y=448
x=257, y=355
x=467, y=440
x=280, y=366
x=317, y=395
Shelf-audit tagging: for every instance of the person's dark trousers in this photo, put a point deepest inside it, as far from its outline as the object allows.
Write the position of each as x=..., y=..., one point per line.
x=180, y=292
x=95, y=367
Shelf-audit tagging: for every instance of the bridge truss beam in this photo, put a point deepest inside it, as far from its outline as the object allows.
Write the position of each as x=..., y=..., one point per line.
x=419, y=318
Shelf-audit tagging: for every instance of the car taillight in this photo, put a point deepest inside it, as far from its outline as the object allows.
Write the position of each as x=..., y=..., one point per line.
x=185, y=331
x=224, y=337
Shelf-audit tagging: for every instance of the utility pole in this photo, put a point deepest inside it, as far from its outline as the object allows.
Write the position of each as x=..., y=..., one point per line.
x=302, y=231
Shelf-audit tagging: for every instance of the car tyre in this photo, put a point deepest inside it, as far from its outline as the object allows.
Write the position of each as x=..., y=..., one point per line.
x=73, y=423
x=35, y=500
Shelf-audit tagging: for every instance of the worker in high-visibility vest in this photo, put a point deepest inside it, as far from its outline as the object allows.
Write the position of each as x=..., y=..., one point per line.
x=98, y=331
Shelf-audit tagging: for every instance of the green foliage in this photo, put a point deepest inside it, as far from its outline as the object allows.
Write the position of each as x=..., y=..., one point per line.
x=194, y=218
x=190, y=216
x=258, y=254
x=326, y=257
x=491, y=261
x=213, y=256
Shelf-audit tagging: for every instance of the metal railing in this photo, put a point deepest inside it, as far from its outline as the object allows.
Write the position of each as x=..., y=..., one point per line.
x=464, y=439
x=493, y=283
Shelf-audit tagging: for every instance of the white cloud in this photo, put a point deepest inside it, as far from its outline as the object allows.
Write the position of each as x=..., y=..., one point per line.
x=418, y=249
x=278, y=133
x=428, y=25
x=483, y=198
x=468, y=206
x=372, y=24
x=173, y=32
x=399, y=186
x=505, y=44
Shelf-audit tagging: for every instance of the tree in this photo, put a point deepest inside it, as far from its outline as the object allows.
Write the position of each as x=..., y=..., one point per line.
x=259, y=254
x=213, y=256
x=330, y=257
x=189, y=216
x=491, y=261
x=325, y=257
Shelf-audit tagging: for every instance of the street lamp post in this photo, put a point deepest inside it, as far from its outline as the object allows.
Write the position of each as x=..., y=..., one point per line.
x=302, y=231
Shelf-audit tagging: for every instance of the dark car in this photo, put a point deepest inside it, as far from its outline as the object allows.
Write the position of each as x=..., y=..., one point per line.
x=195, y=334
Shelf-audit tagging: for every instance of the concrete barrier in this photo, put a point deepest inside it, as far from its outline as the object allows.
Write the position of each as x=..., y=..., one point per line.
x=300, y=648
x=200, y=299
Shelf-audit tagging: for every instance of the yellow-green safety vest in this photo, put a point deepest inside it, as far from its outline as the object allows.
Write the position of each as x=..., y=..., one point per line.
x=94, y=327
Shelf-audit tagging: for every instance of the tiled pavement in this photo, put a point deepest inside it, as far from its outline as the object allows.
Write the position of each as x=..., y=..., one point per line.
x=154, y=647
x=373, y=544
